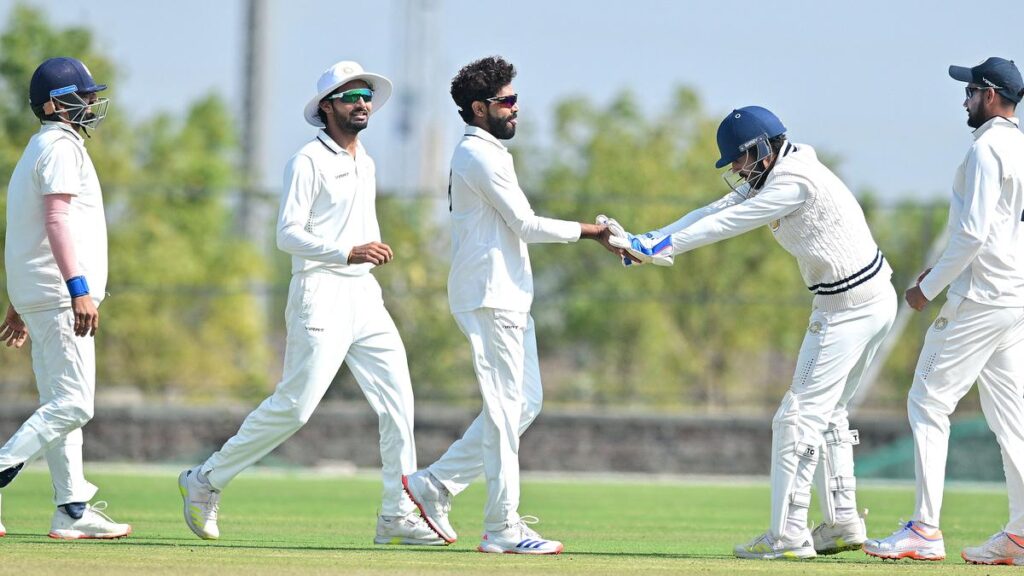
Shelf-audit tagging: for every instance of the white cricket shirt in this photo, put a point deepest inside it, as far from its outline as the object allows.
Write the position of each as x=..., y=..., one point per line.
x=812, y=215
x=54, y=162
x=492, y=222
x=328, y=207
x=984, y=258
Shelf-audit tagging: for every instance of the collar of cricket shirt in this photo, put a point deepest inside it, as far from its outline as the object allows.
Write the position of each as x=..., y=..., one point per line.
x=333, y=146
x=479, y=132
x=995, y=121
x=50, y=125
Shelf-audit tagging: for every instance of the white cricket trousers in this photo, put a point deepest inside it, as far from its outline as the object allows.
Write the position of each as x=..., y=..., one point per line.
x=969, y=342
x=837, y=348
x=332, y=318
x=505, y=361
x=65, y=371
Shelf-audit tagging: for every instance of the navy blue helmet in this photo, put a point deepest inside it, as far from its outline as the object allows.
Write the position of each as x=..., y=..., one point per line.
x=746, y=128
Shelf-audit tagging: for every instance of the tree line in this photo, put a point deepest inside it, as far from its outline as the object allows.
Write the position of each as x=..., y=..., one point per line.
x=195, y=310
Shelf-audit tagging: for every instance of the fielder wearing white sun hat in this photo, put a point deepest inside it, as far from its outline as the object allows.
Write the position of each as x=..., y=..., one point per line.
x=340, y=73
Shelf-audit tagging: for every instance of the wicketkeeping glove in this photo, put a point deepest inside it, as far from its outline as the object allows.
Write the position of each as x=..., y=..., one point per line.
x=647, y=248
x=617, y=232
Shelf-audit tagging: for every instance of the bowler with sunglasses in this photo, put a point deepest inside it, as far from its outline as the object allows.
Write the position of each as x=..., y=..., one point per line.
x=335, y=312
x=978, y=335
x=490, y=292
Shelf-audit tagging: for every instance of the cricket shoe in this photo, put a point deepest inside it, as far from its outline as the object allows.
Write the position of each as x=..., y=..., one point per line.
x=910, y=541
x=767, y=547
x=201, y=502
x=93, y=524
x=518, y=539
x=1003, y=548
x=434, y=502
x=7, y=474
x=841, y=536
x=411, y=530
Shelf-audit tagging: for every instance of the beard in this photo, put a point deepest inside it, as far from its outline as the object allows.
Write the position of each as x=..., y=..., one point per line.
x=975, y=119
x=352, y=126
x=500, y=127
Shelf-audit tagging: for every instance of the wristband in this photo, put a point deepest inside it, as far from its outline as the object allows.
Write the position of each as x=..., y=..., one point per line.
x=77, y=286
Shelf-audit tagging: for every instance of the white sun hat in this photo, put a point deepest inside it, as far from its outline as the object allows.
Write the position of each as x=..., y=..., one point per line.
x=340, y=73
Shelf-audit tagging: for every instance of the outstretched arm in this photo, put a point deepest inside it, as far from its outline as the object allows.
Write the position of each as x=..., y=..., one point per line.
x=772, y=203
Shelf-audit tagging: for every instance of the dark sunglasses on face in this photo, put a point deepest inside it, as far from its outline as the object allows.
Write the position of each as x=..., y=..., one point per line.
x=507, y=101
x=353, y=96
x=970, y=90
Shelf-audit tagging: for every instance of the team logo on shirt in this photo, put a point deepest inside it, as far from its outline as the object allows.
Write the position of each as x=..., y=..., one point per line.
x=941, y=323
x=774, y=225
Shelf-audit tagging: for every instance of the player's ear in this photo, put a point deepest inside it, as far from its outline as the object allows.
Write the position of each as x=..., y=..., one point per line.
x=479, y=109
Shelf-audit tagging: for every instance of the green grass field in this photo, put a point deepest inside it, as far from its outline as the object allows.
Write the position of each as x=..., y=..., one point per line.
x=306, y=524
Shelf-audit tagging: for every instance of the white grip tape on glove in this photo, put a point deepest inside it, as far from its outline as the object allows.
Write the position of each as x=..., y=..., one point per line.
x=647, y=248
x=617, y=231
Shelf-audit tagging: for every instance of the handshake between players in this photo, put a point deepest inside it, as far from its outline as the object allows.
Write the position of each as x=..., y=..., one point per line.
x=649, y=248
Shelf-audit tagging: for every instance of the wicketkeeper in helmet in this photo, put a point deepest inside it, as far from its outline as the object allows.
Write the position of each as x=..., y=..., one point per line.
x=56, y=262
x=816, y=218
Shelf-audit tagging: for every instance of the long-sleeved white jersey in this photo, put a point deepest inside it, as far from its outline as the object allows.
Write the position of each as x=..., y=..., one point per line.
x=492, y=222
x=812, y=214
x=984, y=258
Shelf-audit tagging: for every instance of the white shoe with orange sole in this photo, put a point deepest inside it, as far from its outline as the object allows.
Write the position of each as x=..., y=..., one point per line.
x=910, y=541
x=1002, y=548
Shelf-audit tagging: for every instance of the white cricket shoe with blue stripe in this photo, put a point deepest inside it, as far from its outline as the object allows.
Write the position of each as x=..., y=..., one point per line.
x=518, y=539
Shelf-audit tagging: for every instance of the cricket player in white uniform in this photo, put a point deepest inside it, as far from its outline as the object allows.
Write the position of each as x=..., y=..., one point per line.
x=816, y=218
x=490, y=291
x=56, y=263
x=979, y=333
x=335, y=311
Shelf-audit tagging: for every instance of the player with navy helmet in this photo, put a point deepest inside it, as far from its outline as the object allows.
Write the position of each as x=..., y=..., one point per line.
x=816, y=218
x=56, y=263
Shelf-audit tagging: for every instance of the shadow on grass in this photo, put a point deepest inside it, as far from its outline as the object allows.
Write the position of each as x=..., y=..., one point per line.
x=224, y=544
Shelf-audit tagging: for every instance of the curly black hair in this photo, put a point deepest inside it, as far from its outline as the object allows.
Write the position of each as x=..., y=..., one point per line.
x=480, y=80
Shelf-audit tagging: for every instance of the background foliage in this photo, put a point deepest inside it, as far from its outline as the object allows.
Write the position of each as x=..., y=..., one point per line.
x=195, y=310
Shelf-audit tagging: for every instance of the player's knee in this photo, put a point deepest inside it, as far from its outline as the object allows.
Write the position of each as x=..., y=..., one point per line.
x=78, y=415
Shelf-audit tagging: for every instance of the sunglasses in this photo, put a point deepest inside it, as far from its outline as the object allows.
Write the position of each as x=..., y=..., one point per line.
x=506, y=101
x=970, y=90
x=353, y=96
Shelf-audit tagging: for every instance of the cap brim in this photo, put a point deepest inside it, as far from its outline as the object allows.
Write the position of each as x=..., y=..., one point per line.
x=961, y=73
x=381, y=93
x=722, y=163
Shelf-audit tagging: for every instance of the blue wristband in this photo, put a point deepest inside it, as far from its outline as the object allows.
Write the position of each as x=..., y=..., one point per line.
x=77, y=286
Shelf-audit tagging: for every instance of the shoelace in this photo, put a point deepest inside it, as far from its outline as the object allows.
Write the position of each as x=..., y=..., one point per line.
x=213, y=504
x=444, y=497
x=98, y=508
x=524, y=527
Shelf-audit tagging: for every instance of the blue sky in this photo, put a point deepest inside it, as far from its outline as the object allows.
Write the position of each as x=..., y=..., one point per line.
x=863, y=80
